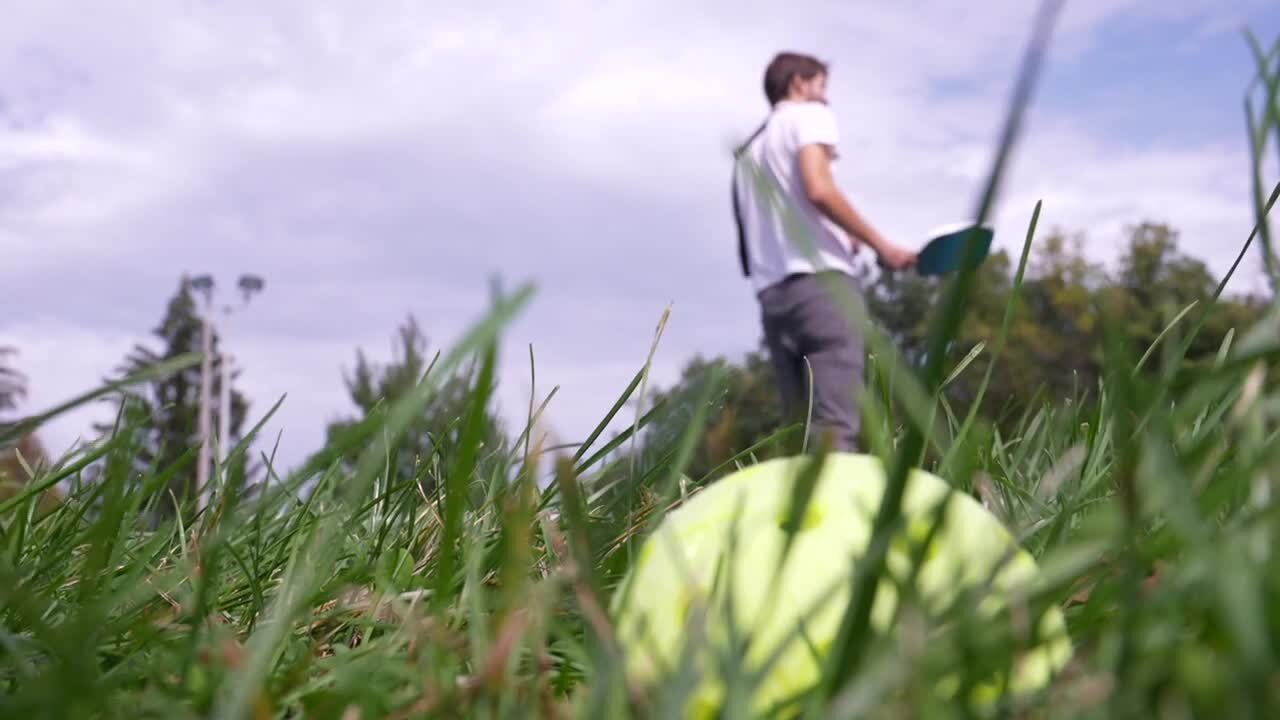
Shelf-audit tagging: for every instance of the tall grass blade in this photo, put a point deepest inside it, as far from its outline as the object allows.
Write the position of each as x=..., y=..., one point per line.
x=852, y=640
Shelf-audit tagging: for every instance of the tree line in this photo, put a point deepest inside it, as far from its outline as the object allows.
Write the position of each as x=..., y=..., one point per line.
x=1053, y=349
x=1052, y=352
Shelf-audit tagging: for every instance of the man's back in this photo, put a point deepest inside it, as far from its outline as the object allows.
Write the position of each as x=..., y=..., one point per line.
x=795, y=222
x=773, y=253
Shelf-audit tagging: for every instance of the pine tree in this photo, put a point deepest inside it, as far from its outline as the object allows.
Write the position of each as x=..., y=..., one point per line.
x=167, y=408
x=429, y=440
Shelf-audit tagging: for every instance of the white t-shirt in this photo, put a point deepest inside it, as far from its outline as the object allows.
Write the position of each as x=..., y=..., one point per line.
x=772, y=159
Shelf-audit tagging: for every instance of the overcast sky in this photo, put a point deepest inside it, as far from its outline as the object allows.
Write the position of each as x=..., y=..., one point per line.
x=372, y=160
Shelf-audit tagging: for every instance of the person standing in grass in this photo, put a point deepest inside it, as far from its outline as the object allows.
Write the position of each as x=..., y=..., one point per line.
x=795, y=226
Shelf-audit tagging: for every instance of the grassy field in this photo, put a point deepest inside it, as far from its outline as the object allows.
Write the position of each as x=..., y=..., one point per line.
x=1151, y=512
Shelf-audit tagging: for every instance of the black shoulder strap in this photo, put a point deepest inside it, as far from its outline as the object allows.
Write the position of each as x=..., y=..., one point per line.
x=737, y=203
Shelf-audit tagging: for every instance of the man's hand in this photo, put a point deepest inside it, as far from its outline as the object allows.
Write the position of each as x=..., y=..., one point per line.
x=896, y=258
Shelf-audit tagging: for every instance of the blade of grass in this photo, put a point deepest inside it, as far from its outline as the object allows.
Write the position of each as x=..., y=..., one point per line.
x=1142, y=361
x=850, y=646
x=1258, y=135
x=463, y=469
x=315, y=549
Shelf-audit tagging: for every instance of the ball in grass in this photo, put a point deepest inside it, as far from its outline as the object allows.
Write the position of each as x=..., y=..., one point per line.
x=676, y=598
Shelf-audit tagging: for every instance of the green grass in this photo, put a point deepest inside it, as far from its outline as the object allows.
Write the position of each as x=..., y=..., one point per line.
x=1151, y=512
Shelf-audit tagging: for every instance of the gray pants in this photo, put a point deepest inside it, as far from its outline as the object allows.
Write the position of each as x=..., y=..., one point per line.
x=803, y=320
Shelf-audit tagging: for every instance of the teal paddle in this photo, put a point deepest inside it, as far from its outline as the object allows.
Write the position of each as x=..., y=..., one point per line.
x=945, y=250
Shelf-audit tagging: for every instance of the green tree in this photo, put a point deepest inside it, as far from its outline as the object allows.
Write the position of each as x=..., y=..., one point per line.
x=903, y=304
x=431, y=436
x=167, y=409
x=744, y=409
x=1156, y=282
x=1053, y=350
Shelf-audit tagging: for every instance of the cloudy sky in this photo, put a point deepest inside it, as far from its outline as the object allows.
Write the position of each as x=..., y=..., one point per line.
x=372, y=161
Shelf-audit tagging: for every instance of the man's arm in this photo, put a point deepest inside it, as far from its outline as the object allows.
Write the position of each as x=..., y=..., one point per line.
x=821, y=189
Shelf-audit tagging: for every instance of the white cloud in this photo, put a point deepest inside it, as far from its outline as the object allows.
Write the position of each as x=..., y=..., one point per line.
x=373, y=163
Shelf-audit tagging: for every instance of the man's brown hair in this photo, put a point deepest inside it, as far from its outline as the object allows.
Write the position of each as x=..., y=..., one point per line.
x=783, y=68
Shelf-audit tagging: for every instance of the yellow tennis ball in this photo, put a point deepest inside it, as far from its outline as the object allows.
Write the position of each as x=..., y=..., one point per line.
x=677, y=594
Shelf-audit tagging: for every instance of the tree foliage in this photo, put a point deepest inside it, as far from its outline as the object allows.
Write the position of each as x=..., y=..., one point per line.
x=1053, y=349
x=164, y=413
x=744, y=411
x=430, y=437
